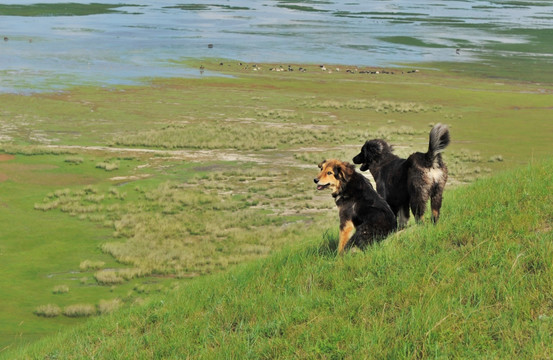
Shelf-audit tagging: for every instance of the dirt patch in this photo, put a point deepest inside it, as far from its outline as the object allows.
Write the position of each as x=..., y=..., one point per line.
x=189, y=155
x=130, y=178
x=3, y=177
x=6, y=157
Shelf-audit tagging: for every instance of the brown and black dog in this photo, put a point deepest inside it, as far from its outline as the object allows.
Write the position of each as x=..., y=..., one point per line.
x=408, y=183
x=360, y=207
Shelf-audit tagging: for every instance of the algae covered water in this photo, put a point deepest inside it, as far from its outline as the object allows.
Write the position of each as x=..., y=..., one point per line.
x=51, y=44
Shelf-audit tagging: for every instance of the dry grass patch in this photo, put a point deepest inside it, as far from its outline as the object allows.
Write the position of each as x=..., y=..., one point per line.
x=108, y=166
x=91, y=265
x=108, y=306
x=108, y=277
x=34, y=150
x=60, y=289
x=238, y=136
x=75, y=160
x=380, y=106
x=49, y=310
x=79, y=310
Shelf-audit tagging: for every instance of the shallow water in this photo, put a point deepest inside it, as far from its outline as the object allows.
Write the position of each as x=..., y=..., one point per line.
x=50, y=50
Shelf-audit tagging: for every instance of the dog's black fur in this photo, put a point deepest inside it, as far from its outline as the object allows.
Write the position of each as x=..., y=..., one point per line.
x=359, y=205
x=408, y=183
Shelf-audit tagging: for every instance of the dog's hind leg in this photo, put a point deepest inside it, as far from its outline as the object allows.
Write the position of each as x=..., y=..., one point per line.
x=436, y=202
x=403, y=216
x=418, y=205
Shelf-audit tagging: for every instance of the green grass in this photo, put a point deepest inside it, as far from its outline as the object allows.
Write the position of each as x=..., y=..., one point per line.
x=42, y=250
x=477, y=285
x=175, y=197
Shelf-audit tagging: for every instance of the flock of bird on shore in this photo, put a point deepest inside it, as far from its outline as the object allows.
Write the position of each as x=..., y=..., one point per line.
x=323, y=68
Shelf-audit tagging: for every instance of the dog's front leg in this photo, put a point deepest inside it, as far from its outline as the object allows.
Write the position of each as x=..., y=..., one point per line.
x=346, y=230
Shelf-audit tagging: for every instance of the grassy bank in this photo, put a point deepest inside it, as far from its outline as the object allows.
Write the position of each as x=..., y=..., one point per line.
x=476, y=285
x=137, y=189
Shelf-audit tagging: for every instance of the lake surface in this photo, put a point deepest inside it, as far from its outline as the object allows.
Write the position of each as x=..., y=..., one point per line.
x=59, y=45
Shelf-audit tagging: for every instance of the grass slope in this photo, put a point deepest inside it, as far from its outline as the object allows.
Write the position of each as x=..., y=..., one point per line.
x=479, y=284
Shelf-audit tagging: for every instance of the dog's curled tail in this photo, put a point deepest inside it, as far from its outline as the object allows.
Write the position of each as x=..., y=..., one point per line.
x=439, y=140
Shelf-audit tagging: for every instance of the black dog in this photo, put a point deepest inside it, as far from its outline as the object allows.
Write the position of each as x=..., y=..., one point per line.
x=359, y=206
x=408, y=182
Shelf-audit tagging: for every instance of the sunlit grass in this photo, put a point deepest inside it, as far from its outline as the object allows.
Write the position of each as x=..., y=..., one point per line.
x=200, y=175
x=108, y=306
x=477, y=284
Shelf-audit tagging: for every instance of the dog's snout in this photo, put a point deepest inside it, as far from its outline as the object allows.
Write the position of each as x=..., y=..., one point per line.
x=316, y=181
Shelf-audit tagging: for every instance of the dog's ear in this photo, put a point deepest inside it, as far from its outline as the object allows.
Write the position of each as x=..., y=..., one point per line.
x=321, y=164
x=349, y=170
x=371, y=151
x=343, y=171
x=376, y=147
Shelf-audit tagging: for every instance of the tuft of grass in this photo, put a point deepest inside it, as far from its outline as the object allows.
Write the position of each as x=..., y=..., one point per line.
x=49, y=310
x=60, y=289
x=86, y=265
x=47, y=205
x=75, y=160
x=108, y=166
x=129, y=274
x=496, y=158
x=108, y=277
x=79, y=310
